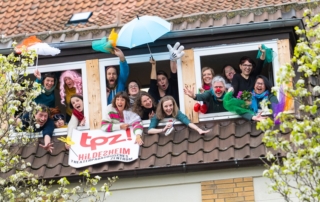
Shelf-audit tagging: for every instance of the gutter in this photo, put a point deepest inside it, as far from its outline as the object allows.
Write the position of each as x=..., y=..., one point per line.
x=175, y=169
x=193, y=32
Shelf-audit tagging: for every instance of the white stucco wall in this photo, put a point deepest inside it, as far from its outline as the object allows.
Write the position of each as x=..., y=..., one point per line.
x=185, y=187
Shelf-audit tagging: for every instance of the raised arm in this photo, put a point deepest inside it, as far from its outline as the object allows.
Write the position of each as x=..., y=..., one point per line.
x=173, y=66
x=153, y=74
x=37, y=74
x=124, y=68
x=199, y=97
x=260, y=64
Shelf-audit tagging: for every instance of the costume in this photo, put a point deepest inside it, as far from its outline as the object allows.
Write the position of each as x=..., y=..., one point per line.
x=47, y=98
x=180, y=117
x=73, y=124
x=214, y=105
x=272, y=98
x=240, y=84
x=66, y=92
x=47, y=128
x=122, y=79
x=171, y=90
x=69, y=92
x=112, y=120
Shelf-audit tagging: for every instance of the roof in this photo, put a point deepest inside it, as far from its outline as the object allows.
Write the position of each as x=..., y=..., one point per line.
x=47, y=19
x=230, y=144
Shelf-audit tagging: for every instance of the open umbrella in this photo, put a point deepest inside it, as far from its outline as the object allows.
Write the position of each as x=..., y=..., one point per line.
x=142, y=30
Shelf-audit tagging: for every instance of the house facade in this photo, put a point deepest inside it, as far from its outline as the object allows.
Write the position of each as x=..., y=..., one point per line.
x=222, y=166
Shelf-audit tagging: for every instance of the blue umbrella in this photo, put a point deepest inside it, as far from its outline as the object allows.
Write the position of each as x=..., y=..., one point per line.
x=142, y=30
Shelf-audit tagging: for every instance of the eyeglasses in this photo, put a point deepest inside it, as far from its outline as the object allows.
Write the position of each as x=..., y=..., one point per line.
x=133, y=86
x=245, y=65
x=260, y=84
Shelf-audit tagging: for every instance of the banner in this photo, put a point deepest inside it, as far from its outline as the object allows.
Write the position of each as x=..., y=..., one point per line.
x=96, y=146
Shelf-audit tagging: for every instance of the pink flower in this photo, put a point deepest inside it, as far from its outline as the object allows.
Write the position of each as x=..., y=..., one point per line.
x=239, y=94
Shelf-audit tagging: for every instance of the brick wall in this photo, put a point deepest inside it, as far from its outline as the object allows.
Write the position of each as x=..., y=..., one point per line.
x=229, y=190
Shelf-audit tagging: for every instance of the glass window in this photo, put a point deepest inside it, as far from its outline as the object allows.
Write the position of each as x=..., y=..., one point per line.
x=58, y=69
x=218, y=56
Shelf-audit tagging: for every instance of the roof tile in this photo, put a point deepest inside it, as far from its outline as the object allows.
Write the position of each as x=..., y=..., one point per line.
x=211, y=156
x=163, y=161
x=194, y=147
x=227, y=154
x=147, y=163
x=243, y=153
x=180, y=159
x=164, y=150
x=195, y=158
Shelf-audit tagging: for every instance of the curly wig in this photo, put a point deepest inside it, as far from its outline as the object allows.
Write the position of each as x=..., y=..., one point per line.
x=77, y=80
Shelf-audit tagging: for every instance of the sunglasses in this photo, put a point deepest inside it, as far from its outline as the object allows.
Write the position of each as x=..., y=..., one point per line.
x=57, y=117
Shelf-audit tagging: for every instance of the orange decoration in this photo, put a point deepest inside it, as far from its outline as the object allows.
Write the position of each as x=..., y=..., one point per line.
x=113, y=38
x=27, y=43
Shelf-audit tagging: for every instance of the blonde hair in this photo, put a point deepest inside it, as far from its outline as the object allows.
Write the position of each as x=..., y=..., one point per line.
x=205, y=69
x=160, y=112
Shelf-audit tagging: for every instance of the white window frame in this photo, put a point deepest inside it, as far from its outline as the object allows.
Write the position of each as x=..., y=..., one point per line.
x=226, y=49
x=132, y=60
x=57, y=67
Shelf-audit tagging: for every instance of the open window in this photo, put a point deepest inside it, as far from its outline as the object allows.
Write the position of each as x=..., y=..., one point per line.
x=218, y=56
x=140, y=69
x=57, y=69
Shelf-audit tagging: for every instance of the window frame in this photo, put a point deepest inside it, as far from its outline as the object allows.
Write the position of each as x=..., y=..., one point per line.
x=226, y=49
x=58, y=67
x=138, y=59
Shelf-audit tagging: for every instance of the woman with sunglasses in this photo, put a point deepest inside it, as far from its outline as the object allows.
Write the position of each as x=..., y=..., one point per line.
x=58, y=120
x=249, y=70
x=77, y=118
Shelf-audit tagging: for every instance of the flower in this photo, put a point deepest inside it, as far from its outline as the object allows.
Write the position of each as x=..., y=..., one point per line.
x=239, y=94
x=37, y=125
x=67, y=140
x=244, y=95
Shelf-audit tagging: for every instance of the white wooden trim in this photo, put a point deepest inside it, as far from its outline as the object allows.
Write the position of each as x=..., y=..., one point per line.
x=131, y=60
x=63, y=67
x=226, y=49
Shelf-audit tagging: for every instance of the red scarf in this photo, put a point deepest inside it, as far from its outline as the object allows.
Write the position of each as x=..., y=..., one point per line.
x=206, y=87
x=78, y=114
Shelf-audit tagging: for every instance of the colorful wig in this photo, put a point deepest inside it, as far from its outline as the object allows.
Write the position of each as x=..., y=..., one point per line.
x=76, y=77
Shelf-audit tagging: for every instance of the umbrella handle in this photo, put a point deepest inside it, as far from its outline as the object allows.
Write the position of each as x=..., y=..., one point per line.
x=150, y=51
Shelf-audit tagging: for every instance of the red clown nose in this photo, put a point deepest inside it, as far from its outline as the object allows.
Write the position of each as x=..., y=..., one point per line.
x=218, y=90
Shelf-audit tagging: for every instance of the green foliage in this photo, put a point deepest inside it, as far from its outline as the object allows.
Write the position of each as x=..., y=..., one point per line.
x=16, y=97
x=298, y=137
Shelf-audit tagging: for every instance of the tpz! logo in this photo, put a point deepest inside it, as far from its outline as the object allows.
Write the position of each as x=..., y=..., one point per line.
x=98, y=141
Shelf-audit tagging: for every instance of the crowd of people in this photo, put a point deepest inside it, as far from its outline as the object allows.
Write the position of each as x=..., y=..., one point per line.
x=161, y=101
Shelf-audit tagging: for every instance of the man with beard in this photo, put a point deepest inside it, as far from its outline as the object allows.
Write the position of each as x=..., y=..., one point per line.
x=160, y=84
x=213, y=96
x=115, y=82
x=43, y=123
